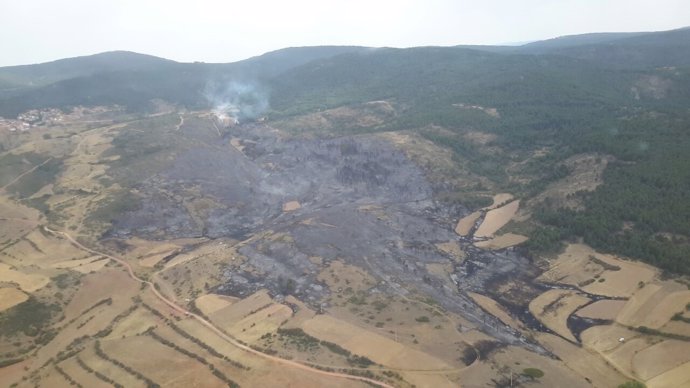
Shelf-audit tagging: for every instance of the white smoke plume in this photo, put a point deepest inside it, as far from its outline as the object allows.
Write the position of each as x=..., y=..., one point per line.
x=241, y=101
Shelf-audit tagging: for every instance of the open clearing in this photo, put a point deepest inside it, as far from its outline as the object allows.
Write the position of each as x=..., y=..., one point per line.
x=586, y=172
x=495, y=219
x=291, y=206
x=10, y=297
x=553, y=308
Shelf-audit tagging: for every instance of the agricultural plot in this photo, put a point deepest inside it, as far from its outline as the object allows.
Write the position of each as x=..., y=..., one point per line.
x=10, y=297
x=496, y=218
x=554, y=307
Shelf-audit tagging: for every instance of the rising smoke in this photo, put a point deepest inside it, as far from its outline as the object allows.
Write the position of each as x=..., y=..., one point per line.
x=237, y=100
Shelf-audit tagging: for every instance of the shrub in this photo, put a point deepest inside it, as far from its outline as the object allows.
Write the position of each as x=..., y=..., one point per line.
x=632, y=384
x=533, y=373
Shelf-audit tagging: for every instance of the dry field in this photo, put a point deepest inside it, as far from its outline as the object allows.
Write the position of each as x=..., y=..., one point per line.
x=495, y=309
x=10, y=297
x=364, y=342
x=660, y=358
x=502, y=241
x=586, y=364
x=250, y=318
x=210, y=303
x=499, y=200
x=655, y=360
x=27, y=282
x=162, y=364
x=553, y=308
x=496, y=218
x=598, y=273
x=603, y=309
x=466, y=223
x=654, y=304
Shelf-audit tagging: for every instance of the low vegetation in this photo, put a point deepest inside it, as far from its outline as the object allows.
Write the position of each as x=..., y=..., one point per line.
x=533, y=373
x=29, y=318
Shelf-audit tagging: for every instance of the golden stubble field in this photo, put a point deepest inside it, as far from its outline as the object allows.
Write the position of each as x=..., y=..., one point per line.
x=640, y=335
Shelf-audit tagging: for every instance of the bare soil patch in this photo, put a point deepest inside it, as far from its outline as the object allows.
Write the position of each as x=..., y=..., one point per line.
x=10, y=297
x=291, y=206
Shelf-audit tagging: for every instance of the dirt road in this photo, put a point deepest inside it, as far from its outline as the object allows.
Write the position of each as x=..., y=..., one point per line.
x=22, y=175
x=209, y=324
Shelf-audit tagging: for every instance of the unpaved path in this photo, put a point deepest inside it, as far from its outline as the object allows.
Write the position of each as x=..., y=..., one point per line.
x=22, y=175
x=209, y=325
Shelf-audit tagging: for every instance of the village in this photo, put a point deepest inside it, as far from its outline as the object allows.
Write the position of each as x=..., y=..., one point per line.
x=48, y=117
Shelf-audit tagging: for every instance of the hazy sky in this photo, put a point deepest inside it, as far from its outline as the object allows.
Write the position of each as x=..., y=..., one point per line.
x=222, y=31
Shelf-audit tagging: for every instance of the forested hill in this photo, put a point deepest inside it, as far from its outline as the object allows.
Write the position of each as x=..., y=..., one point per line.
x=624, y=96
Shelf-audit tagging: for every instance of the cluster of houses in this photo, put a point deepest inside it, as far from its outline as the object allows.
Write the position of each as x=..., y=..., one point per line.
x=32, y=118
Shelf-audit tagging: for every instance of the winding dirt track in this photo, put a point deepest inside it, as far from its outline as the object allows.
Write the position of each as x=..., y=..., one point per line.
x=210, y=325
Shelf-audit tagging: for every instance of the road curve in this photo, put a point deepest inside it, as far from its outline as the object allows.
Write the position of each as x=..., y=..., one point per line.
x=209, y=325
